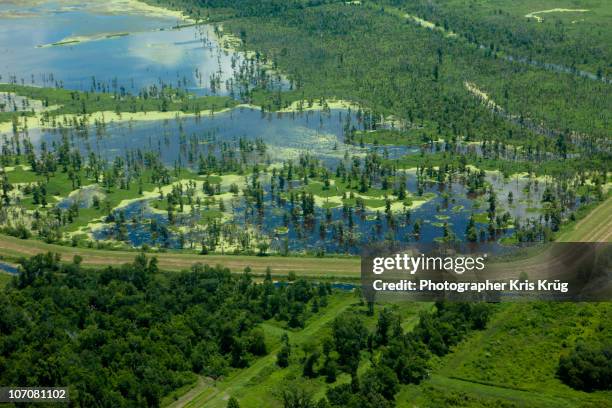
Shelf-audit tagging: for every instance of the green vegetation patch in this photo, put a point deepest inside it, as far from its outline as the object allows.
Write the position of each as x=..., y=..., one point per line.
x=78, y=102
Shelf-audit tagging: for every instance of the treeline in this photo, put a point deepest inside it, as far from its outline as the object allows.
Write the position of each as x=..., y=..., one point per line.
x=126, y=336
x=220, y=9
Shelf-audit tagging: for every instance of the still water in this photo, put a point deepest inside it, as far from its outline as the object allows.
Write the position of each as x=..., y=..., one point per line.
x=112, y=46
x=286, y=136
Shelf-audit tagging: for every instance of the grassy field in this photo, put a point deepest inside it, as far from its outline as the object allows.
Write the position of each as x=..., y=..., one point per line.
x=13, y=248
x=513, y=362
x=596, y=226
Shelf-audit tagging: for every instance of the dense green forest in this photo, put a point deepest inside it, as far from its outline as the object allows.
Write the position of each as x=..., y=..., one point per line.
x=573, y=34
x=128, y=336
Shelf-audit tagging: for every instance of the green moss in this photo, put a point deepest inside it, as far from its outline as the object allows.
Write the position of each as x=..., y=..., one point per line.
x=457, y=209
x=282, y=230
x=482, y=218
